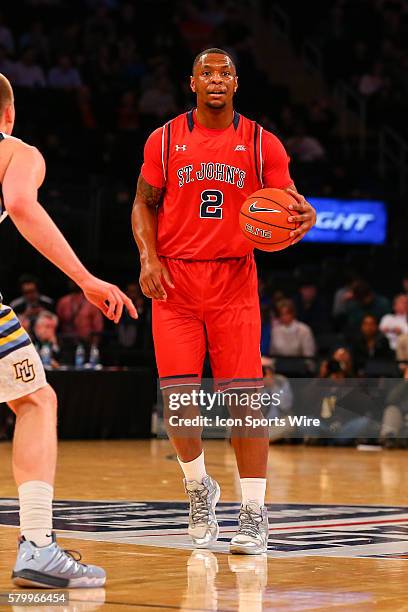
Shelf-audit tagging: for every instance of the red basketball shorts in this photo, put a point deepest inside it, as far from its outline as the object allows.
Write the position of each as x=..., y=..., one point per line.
x=213, y=306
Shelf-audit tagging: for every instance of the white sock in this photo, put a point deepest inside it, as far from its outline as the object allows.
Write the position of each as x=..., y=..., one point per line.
x=36, y=511
x=253, y=489
x=194, y=470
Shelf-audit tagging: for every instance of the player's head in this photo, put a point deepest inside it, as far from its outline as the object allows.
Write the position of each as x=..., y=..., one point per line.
x=214, y=79
x=7, y=112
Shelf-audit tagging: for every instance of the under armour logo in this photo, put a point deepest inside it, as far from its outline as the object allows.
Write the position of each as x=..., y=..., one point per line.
x=24, y=371
x=181, y=147
x=240, y=148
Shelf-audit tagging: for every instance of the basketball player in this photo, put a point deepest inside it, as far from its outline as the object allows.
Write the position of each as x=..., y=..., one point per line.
x=200, y=272
x=40, y=561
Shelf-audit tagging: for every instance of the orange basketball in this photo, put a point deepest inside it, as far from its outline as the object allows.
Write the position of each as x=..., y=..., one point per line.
x=263, y=219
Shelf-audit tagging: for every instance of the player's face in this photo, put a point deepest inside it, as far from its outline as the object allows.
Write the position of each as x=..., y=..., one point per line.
x=214, y=81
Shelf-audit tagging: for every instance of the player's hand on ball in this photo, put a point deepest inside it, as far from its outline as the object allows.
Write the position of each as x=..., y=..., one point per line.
x=151, y=276
x=108, y=298
x=306, y=216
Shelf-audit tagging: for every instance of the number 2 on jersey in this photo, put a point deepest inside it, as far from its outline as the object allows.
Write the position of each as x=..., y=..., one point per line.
x=211, y=204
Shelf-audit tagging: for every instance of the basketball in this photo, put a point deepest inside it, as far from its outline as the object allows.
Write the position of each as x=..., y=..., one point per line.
x=263, y=219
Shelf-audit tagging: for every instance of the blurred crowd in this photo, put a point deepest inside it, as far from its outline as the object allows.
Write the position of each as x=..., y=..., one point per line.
x=342, y=358
x=363, y=42
x=114, y=77
x=303, y=326
x=60, y=329
x=110, y=74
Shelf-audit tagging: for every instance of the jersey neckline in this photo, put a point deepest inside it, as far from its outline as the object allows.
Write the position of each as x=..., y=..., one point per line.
x=206, y=130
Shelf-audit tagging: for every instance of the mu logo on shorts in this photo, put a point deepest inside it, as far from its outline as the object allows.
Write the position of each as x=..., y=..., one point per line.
x=24, y=371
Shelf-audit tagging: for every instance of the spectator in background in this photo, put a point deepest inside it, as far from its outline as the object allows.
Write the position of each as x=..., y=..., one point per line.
x=372, y=81
x=311, y=308
x=45, y=334
x=321, y=118
x=85, y=108
x=279, y=385
x=290, y=337
x=345, y=360
x=128, y=115
x=364, y=302
x=395, y=418
x=131, y=66
x=194, y=28
x=360, y=59
x=370, y=343
x=214, y=13
x=80, y=321
x=31, y=302
x=402, y=351
x=266, y=328
x=158, y=100
x=132, y=332
x=344, y=357
x=36, y=38
x=344, y=294
x=405, y=283
x=64, y=75
x=7, y=67
x=304, y=148
x=28, y=73
x=393, y=325
x=6, y=37
x=345, y=411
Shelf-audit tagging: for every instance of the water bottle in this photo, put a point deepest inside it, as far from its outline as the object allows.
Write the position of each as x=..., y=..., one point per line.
x=79, y=356
x=46, y=355
x=94, y=357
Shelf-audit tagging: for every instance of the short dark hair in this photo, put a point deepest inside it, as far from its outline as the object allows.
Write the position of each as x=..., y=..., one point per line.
x=212, y=50
x=28, y=278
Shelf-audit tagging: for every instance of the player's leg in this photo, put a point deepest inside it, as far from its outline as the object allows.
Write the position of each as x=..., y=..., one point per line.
x=23, y=386
x=233, y=329
x=180, y=345
x=34, y=461
x=179, y=342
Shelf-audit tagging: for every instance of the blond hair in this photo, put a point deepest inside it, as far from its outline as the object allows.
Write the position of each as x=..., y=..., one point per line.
x=6, y=93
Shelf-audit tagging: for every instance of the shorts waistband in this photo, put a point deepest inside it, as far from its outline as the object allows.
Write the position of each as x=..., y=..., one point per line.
x=220, y=260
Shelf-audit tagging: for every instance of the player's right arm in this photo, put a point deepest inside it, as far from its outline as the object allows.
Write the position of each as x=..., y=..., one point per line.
x=144, y=226
x=23, y=176
x=150, y=190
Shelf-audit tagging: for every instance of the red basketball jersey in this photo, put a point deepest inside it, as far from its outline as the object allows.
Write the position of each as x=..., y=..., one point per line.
x=207, y=174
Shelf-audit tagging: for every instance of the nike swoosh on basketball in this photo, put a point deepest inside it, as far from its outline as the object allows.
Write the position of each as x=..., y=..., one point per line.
x=255, y=209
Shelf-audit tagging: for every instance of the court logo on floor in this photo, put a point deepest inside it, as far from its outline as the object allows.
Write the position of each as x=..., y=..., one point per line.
x=296, y=530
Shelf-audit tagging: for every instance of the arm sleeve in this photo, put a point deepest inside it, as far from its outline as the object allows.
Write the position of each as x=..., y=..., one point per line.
x=275, y=162
x=152, y=169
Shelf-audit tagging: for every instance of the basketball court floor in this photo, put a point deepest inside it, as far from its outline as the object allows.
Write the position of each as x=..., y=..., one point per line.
x=338, y=539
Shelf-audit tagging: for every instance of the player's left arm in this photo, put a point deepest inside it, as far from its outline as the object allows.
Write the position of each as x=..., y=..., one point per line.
x=276, y=174
x=304, y=213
